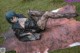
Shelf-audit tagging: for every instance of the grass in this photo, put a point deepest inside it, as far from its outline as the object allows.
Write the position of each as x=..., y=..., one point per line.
x=68, y=50
x=22, y=7
x=1, y=40
x=11, y=52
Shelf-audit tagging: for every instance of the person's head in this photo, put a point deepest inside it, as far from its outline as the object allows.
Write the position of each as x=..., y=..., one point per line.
x=11, y=16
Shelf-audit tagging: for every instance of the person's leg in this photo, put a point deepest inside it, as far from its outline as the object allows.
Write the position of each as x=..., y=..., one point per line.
x=42, y=21
x=48, y=14
x=35, y=14
x=41, y=17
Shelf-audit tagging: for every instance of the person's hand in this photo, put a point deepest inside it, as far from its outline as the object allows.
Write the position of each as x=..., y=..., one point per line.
x=29, y=33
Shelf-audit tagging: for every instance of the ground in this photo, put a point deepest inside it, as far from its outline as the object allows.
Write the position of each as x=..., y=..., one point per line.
x=22, y=7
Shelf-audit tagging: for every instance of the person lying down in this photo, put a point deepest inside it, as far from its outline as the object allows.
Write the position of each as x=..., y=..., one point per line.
x=68, y=11
x=29, y=29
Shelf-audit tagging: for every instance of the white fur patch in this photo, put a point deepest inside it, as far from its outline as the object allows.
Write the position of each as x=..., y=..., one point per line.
x=74, y=44
x=46, y=51
x=2, y=50
x=38, y=52
x=55, y=10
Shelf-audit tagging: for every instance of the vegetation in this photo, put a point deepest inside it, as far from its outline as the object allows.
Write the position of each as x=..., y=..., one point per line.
x=22, y=7
x=1, y=40
x=11, y=52
x=68, y=50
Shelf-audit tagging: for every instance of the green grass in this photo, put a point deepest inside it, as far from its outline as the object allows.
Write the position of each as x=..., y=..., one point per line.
x=1, y=40
x=22, y=7
x=11, y=52
x=68, y=50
